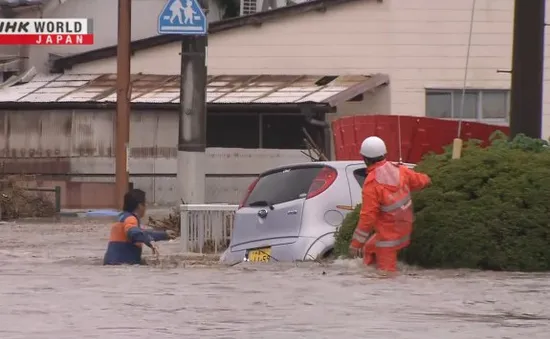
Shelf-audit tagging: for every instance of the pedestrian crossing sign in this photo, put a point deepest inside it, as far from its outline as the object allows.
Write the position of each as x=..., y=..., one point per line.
x=184, y=17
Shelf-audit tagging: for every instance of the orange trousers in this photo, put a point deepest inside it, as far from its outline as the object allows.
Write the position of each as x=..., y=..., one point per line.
x=385, y=259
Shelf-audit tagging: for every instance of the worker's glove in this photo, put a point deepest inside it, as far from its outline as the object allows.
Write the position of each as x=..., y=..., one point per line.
x=355, y=252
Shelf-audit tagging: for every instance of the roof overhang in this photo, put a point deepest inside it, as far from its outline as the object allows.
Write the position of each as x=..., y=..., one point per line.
x=227, y=91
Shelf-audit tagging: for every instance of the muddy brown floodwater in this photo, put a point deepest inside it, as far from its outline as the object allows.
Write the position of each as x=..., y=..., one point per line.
x=53, y=286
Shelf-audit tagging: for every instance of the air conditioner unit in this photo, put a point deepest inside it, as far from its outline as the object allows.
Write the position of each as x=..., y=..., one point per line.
x=253, y=6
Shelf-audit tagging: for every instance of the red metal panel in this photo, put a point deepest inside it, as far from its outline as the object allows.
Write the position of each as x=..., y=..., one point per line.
x=419, y=135
x=386, y=129
x=348, y=136
x=337, y=138
x=438, y=133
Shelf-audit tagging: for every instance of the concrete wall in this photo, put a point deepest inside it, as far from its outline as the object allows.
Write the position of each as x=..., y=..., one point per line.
x=78, y=146
x=104, y=13
x=419, y=43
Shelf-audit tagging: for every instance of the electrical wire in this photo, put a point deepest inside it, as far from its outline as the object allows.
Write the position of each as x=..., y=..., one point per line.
x=399, y=139
x=463, y=99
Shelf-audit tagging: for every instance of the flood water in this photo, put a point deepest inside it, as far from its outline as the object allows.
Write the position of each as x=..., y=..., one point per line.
x=53, y=286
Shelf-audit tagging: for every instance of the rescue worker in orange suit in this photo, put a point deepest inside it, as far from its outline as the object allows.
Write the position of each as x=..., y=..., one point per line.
x=387, y=207
x=127, y=237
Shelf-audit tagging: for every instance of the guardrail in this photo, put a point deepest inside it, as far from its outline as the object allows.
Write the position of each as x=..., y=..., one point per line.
x=56, y=190
x=206, y=228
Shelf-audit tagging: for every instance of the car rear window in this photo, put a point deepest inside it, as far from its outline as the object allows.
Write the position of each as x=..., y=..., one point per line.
x=360, y=175
x=282, y=186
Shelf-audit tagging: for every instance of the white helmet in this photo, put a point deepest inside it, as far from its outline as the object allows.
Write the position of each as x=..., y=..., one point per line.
x=373, y=147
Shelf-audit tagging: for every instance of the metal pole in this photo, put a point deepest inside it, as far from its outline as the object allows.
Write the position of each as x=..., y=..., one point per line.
x=527, y=68
x=123, y=100
x=192, y=121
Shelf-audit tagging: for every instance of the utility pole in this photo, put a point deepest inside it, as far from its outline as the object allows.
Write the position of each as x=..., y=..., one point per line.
x=527, y=68
x=192, y=113
x=123, y=96
x=191, y=175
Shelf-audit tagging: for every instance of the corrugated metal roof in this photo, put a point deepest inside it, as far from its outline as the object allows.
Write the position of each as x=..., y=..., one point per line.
x=265, y=89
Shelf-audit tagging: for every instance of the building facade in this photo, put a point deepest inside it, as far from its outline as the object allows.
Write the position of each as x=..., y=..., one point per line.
x=60, y=127
x=416, y=49
x=420, y=44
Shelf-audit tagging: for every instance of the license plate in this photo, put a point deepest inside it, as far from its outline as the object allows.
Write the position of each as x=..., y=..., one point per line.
x=259, y=254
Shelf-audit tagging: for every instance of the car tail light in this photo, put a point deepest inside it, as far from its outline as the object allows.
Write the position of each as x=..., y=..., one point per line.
x=248, y=191
x=322, y=181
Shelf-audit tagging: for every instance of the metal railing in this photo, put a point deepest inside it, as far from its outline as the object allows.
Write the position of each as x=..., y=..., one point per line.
x=206, y=228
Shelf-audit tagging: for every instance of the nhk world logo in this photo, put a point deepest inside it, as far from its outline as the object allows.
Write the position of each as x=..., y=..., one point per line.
x=46, y=32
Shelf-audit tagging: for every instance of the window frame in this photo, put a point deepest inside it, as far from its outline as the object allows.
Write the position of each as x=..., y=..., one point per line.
x=456, y=93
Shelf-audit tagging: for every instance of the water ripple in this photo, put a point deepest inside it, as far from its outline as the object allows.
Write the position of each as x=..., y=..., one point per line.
x=53, y=286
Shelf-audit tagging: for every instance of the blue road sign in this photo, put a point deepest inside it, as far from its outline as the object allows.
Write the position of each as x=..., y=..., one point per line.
x=184, y=17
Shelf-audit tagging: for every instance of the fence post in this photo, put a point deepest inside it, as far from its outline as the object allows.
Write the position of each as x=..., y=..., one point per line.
x=58, y=199
x=184, y=228
x=201, y=231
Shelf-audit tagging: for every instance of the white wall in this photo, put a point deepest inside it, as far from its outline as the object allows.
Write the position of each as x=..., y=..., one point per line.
x=221, y=163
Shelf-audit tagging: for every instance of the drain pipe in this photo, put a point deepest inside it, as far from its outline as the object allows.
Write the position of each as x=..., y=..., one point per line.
x=327, y=135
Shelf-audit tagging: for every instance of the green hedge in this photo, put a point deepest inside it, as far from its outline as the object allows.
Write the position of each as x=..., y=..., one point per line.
x=345, y=232
x=488, y=210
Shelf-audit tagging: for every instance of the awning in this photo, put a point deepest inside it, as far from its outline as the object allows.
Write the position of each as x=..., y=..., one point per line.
x=222, y=89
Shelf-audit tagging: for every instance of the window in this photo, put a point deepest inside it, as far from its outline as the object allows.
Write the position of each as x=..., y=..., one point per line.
x=283, y=131
x=283, y=186
x=360, y=175
x=259, y=130
x=233, y=130
x=485, y=105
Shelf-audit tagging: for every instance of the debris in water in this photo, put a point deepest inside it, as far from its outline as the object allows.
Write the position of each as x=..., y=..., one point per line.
x=171, y=222
x=16, y=201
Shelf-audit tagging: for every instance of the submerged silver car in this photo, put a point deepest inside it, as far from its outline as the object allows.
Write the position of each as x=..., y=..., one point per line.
x=291, y=213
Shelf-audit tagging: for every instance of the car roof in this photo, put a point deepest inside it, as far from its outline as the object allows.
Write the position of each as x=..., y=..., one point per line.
x=334, y=164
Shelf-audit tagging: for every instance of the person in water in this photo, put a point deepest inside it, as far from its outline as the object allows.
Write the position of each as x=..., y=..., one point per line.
x=127, y=237
x=387, y=207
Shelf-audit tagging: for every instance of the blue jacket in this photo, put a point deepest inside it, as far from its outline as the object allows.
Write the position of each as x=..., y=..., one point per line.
x=127, y=239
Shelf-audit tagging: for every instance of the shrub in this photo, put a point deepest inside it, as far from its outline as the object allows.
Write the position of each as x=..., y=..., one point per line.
x=488, y=210
x=345, y=232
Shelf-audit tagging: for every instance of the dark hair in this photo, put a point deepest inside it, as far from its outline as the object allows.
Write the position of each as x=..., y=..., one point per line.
x=132, y=199
x=372, y=161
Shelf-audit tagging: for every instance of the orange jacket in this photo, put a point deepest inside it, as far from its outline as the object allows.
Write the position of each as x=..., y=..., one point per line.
x=387, y=206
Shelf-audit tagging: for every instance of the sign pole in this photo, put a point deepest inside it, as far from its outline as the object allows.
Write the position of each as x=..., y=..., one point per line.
x=188, y=18
x=123, y=94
